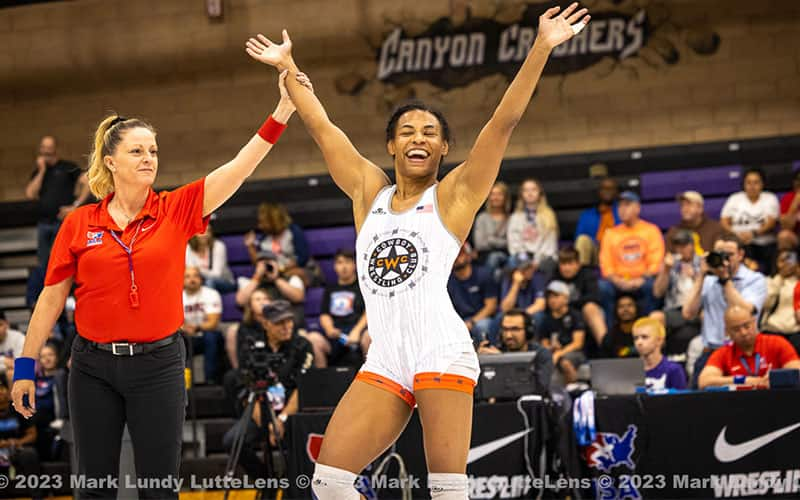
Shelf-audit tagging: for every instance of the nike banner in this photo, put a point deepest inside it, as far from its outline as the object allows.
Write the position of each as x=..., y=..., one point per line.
x=699, y=445
x=496, y=457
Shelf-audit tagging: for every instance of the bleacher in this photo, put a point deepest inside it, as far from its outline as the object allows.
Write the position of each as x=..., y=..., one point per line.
x=713, y=169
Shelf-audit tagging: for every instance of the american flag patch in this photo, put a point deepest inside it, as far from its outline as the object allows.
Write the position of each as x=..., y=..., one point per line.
x=424, y=209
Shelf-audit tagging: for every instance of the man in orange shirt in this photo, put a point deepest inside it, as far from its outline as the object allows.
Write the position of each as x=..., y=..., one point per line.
x=630, y=256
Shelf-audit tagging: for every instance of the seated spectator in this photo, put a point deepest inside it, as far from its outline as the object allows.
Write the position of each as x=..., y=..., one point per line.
x=279, y=284
x=210, y=256
x=517, y=335
x=293, y=356
x=51, y=402
x=722, y=283
x=202, y=310
x=343, y=319
x=490, y=233
x=660, y=373
x=279, y=235
x=533, y=226
x=11, y=342
x=17, y=441
x=563, y=332
x=790, y=217
x=751, y=214
x=584, y=294
x=250, y=327
x=619, y=341
x=630, y=256
x=674, y=284
x=750, y=357
x=474, y=294
x=703, y=230
x=524, y=289
x=594, y=222
x=780, y=314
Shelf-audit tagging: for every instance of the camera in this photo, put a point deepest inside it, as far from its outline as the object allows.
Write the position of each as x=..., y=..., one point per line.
x=260, y=366
x=271, y=267
x=717, y=259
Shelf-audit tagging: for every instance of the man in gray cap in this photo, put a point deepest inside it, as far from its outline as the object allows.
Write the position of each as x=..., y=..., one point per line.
x=288, y=356
x=704, y=230
x=674, y=283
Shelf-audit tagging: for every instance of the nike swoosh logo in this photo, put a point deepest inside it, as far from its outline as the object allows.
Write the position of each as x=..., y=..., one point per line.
x=481, y=451
x=726, y=452
x=148, y=227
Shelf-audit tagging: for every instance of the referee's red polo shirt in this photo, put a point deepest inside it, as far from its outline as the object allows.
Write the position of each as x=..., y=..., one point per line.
x=85, y=250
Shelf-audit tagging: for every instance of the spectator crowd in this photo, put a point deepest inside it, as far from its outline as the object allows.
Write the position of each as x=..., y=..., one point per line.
x=686, y=302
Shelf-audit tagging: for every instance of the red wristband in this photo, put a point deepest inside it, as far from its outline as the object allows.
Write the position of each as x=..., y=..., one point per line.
x=271, y=130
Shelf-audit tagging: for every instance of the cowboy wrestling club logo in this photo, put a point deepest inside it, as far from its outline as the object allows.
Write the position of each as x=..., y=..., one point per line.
x=396, y=259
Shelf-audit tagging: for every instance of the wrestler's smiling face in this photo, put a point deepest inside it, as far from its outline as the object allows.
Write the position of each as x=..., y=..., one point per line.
x=418, y=145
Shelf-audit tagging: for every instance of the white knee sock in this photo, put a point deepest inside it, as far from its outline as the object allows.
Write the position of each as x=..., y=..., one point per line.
x=446, y=486
x=331, y=483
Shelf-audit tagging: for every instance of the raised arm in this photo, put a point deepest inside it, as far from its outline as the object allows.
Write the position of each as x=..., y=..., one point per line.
x=359, y=178
x=225, y=180
x=467, y=186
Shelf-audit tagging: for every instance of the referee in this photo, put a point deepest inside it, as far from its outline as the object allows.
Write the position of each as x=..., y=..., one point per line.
x=125, y=256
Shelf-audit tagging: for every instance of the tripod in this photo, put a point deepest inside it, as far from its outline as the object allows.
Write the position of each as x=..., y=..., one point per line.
x=255, y=396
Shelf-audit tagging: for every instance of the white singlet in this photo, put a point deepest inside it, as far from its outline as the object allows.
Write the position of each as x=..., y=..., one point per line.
x=404, y=261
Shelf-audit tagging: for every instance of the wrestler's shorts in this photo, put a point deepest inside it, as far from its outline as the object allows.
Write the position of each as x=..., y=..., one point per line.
x=449, y=367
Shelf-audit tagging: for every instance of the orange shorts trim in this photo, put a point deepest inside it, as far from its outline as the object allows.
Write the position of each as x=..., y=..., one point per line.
x=386, y=384
x=433, y=380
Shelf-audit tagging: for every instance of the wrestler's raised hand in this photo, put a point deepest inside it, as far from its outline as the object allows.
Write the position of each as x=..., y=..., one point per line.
x=555, y=28
x=264, y=50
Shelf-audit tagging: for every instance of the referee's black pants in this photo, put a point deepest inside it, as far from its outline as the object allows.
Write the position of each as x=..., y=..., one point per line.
x=147, y=392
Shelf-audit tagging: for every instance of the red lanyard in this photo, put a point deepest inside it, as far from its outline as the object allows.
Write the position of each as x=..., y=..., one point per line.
x=134, y=295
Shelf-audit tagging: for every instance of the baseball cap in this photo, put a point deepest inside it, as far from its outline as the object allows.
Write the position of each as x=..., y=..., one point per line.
x=682, y=237
x=629, y=196
x=278, y=310
x=266, y=255
x=559, y=287
x=692, y=196
x=520, y=260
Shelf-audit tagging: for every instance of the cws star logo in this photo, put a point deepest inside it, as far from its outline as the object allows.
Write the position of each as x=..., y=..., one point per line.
x=394, y=262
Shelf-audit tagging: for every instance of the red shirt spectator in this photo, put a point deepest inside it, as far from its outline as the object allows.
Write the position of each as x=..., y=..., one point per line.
x=770, y=352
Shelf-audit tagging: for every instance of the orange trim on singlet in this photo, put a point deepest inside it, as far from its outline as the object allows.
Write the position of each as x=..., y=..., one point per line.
x=384, y=383
x=433, y=380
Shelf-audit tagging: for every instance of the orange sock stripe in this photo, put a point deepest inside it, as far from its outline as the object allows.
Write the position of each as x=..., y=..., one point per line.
x=433, y=380
x=388, y=385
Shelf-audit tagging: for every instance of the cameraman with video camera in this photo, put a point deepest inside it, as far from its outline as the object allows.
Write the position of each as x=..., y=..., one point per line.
x=286, y=284
x=724, y=281
x=270, y=368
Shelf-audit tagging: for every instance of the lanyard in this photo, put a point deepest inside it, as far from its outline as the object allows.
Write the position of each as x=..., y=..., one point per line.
x=743, y=361
x=134, y=295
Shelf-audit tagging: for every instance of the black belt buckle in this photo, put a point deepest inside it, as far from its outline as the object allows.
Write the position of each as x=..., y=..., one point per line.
x=119, y=349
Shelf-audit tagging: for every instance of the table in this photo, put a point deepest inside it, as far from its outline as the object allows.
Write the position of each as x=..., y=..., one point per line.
x=697, y=445
x=497, y=455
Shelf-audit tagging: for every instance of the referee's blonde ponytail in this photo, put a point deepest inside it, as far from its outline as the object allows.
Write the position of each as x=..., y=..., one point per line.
x=106, y=139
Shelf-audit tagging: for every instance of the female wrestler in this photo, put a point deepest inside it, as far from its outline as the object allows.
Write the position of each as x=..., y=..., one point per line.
x=408, y=237
x=126, y=256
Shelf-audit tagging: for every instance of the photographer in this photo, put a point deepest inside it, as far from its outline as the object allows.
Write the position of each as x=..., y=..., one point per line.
x=723, y=282
x=276, y=363
x=278, y=282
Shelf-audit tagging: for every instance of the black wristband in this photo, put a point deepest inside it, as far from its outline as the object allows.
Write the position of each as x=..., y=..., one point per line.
x=723, y=281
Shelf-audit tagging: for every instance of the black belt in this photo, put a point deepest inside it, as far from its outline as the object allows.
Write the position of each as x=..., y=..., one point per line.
x=131, y=348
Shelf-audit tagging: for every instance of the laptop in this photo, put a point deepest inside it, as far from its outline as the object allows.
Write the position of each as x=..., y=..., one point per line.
x=614, y=377
x=321, y=388
x=506, y=376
